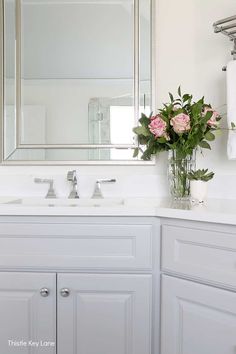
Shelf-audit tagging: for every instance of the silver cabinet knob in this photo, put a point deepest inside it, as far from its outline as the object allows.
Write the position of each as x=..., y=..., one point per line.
x=44, y=292
x=65, y=292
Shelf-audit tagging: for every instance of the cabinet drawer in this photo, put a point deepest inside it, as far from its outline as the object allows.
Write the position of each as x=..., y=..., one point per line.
x=75, y=245
x=204, y=253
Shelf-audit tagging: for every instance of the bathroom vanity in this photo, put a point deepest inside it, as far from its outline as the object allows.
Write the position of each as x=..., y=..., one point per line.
x=87, y=283
x=99, y=276
x=92, y=284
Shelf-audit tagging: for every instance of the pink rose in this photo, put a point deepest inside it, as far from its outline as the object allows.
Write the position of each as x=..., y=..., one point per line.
x=154, y=117
x=158, y=126
x=212, y=122
x=180, y=123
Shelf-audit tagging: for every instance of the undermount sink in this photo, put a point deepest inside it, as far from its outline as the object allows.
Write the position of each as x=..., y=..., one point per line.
x=65, y=202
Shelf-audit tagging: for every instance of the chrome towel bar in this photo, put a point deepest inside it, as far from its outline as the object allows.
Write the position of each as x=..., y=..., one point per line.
x=227, y=26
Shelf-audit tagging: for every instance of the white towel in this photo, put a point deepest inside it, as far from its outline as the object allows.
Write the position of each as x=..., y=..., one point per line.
x=231, y=108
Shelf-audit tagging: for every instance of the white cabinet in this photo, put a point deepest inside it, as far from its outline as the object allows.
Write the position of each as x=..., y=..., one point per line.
x=104, y=314
x=96, y=313
x=198, y=315
x=99, y=272
x=196, y=318
x=27, y=319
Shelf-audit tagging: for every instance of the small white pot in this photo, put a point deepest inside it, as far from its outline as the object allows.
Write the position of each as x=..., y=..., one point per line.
x=198, y=191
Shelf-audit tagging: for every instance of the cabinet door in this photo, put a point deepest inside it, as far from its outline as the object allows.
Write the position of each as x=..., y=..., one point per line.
x=104, y=314
x=197, y=319
x=27, y=316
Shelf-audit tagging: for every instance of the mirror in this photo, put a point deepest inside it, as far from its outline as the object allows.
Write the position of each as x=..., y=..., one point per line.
x=77, y=74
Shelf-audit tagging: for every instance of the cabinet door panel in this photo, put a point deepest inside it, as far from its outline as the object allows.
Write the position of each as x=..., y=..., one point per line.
x=27, y=319
x=197, y=318
x=104, y=314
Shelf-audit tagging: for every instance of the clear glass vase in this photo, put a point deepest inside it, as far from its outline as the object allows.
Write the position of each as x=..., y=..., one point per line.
x=179, y=166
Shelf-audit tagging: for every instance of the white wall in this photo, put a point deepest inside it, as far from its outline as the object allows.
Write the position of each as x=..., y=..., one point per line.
x=190, y=54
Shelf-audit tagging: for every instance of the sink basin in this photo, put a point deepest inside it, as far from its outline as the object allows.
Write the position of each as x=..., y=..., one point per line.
x=65, y=202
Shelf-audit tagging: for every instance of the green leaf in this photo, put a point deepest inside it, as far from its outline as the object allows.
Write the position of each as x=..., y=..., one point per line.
x=186, y=97
x=142, y=140
x=161, y=140
x=136, y=152
x=204, y=144
x=202, y=100
x=178, y=101
x=233, y=125
x=144, y=120
x=179, y=91
x=171, y=97
x=147, y=154
x=200, y=175
x=141, y=131
x=207, y=116
x=197, y=109
x=209, y=136
x=143, y=115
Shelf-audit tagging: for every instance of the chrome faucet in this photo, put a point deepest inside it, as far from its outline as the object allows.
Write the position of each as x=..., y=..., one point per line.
x=71, y=177
x=97, y=194
x=51, y=192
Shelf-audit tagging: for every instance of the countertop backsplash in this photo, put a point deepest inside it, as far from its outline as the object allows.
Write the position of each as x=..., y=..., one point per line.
x=131, y=182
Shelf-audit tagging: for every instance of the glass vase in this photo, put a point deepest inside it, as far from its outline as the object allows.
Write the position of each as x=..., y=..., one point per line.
x=179, y=166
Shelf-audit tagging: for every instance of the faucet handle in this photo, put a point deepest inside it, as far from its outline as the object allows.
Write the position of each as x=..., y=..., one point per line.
x=97, y=194
x=51, y=192
x=106, y=180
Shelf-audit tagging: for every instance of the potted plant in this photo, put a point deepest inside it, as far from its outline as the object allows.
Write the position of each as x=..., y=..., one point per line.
x=180, y=127
x=198, y=184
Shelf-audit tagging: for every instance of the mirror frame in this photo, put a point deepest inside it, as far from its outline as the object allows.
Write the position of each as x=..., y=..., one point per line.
x=3, y=161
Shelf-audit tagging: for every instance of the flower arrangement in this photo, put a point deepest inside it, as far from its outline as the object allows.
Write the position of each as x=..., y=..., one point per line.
x=200, y=175
x=181, y=125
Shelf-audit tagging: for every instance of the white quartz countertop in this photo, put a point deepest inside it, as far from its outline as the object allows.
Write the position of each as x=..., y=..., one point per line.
x=215, y=210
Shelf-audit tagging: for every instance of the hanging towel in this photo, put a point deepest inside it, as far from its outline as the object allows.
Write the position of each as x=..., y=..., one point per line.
x=231, y=108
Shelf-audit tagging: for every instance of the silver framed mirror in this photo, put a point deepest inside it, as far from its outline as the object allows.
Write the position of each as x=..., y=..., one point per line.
x=75, y=76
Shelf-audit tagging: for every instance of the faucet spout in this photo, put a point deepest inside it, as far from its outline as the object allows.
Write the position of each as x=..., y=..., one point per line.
x=71, y=177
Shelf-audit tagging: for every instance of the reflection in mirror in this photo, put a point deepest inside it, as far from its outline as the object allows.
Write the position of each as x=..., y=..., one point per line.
x=63, y=155
x=77, y=80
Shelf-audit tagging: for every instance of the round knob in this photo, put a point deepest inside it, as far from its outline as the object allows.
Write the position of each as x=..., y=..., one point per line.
x=44, y=292
x=65, y=292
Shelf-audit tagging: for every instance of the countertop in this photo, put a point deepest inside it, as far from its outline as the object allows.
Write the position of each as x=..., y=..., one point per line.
x=214, y=210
